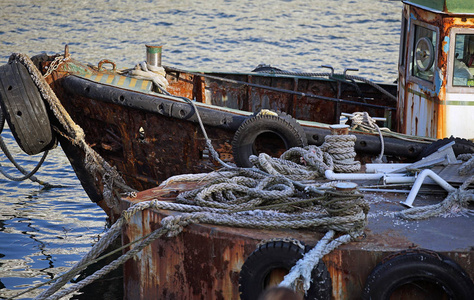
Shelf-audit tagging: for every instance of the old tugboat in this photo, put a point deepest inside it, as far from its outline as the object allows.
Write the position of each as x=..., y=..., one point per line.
x=188, y=160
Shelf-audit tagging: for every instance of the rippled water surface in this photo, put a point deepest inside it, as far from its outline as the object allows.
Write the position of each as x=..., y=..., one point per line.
x=45, y=231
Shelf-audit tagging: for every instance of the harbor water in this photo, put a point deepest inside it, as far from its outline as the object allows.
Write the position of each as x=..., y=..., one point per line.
x=44, y=231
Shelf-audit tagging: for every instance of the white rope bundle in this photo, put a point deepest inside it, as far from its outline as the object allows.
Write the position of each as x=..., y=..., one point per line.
x=363, y=121
x=336, y=153
x=310, y=260
x=173, y=225
x=341, y=149
x=146, y=71
x=296, y=163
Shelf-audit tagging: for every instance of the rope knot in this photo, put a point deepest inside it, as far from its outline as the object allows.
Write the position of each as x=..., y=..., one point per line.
x=175, y=224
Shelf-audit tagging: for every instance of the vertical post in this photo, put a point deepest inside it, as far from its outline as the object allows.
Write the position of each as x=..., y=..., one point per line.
x=153, y=55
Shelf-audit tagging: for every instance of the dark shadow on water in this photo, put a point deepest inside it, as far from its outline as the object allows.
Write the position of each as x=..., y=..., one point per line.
x=109, y=287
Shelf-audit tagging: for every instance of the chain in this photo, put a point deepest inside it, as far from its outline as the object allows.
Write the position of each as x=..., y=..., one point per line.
x=54, y=65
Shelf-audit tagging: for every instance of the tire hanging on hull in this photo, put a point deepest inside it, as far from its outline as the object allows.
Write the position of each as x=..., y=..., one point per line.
x=279, y=256
x=24, y=109
x=280, y=124
x=409, y=270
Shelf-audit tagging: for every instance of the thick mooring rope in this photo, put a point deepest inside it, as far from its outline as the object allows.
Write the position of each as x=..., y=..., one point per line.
x=341, y=148
x=336, y=153
x=255, y=200
x=304, y=267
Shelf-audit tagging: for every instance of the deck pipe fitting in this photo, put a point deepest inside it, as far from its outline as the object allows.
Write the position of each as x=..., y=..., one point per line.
x=346, y=187
x=396, y=178
x=419, y=181
x=387, y=178
x=153, y=55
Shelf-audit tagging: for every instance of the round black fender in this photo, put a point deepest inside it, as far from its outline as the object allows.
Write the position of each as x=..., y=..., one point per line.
x=461, y=146
x=273, y=259
x=418, y=274
x=24, y=109
x=277, y=130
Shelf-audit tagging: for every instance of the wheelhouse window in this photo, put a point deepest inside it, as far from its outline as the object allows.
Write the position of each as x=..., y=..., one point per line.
x=424, y=53
x=403, y=41
x=464, y=60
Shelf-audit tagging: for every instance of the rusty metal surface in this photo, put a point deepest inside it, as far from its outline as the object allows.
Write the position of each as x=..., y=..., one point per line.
x=148, y=143
x=251, y=98
x=204, y=261
x=422, y=108
x=149, y=137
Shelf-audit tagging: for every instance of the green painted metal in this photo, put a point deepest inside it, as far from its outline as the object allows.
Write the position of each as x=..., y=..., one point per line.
x=446, y=6
x=153, y=49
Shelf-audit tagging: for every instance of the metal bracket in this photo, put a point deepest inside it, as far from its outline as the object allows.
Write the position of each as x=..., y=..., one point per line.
x=350, y=69
x=444, y=156
x=329, y=67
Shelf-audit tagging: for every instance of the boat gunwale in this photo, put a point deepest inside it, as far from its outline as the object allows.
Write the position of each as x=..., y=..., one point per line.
x=224, y=118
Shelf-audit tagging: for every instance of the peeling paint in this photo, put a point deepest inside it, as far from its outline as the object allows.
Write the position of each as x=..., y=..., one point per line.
x=446, y=44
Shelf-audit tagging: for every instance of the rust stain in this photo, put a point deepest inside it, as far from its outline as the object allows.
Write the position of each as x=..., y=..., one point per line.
x=204, y=261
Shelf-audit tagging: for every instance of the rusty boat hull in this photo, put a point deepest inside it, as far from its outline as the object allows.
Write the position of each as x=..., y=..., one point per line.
x=148, y=136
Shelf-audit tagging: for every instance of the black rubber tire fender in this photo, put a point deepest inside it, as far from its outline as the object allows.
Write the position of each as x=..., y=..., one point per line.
x=283, y=125
x=24, y=109
x=279, y=255
x=461, y=146
x=409, y=267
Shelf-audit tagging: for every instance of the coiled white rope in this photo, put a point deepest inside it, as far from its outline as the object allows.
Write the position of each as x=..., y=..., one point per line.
x=337, y=153
x=146, y=71
x=363, y=121
x=341, y=148
x=201, y=213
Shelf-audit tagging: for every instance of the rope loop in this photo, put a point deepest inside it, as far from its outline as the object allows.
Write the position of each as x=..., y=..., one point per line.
x=364, y=122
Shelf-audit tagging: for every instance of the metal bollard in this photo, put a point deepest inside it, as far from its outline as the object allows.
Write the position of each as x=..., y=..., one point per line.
x=153, y=55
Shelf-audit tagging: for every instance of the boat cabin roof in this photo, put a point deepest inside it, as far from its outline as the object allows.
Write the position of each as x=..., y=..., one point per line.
x=445, y=6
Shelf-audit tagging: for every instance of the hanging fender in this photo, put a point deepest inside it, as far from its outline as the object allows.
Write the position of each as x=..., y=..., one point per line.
x=278, y=123
x=24, y=109
x=263, y=268
x=415, y=269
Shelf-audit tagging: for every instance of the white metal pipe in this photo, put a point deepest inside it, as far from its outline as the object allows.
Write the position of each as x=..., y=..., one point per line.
x=398, y=179
x=419, y=181
x=378, y=168
x=362, y=176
